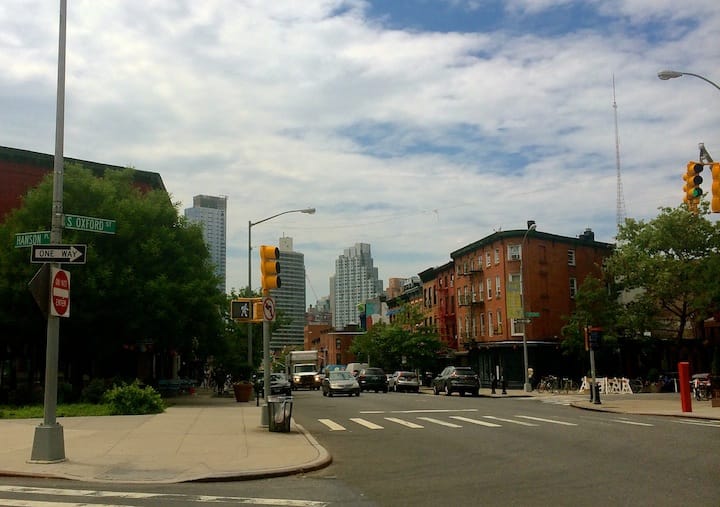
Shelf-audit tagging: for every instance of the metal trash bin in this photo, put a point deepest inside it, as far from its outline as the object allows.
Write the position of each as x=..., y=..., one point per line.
x=279, y=413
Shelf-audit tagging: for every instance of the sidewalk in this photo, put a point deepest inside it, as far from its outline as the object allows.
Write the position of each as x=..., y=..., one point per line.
x=203, y=437
x=199, y=437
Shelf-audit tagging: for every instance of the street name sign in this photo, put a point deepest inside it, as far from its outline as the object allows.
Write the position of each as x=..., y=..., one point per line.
x=60, y=295
x=66, y=254
x=532, y=314
x=89, y=224
x=27, y=239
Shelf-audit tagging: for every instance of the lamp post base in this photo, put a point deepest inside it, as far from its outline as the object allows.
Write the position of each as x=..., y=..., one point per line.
x=528, y=387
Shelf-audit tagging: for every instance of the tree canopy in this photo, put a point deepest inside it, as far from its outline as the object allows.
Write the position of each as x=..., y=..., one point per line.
x=407, y=343
x=667, y=269
x=150, y=283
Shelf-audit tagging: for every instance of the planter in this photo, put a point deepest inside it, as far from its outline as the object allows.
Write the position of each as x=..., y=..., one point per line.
x=243, y=392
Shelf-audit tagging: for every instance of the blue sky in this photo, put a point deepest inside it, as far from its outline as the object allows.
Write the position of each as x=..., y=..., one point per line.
x=418, y=126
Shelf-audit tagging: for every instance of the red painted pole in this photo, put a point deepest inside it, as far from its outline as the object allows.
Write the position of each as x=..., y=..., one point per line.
x=684, y=374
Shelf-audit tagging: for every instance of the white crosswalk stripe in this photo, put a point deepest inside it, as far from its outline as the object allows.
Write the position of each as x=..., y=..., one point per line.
x=513, y=421
x=552, y=421
x=403, y=422
x=332, y=425
x=476, y=421
x=441, y=423
x=366, y=423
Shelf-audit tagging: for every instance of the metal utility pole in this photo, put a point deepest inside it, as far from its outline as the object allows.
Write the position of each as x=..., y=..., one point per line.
x=49, y=443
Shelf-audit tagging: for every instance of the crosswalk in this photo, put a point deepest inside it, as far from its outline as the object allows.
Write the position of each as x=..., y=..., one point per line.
x=415, y=420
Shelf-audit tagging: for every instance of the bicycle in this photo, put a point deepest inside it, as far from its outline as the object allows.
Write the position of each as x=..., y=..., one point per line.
x=547, y=383
x=569, y=385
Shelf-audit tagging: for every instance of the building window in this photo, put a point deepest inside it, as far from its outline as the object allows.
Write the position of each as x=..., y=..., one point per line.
x=488, y=284
x=573, y=287
x=571, y=257
x=482, y=324
x=490, y=326
x=488, y=260
x=497, y=256
x=514, y=252
x=499, y=322
x=497, y=286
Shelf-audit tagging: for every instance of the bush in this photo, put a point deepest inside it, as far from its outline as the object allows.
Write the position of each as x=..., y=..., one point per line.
x=131, y=399
x=93, y=392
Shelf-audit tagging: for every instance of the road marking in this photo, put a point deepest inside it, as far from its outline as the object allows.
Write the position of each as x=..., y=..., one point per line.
x=404, y=423
x=626, y=421
x=546, y=420
x=476, y=421
x=441, y=423
x=711, y=424
x=366, y=423
x=332, y=425
x=130, y=495
x=522, y=423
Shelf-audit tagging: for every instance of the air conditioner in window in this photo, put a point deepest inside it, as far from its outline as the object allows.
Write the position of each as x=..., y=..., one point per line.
x=514, y=257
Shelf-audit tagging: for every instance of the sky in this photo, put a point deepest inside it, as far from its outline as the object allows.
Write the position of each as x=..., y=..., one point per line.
x=417, y=126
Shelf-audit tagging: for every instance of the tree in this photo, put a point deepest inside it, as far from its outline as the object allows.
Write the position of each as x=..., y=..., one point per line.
x=406, y=343
x=150, y=284
x=669, y=265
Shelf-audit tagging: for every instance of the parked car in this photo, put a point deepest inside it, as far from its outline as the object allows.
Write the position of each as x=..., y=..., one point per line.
x=340, y=382
x=279, y=384
x=457, y=379
x=404, y=381
x=372, y=379
x=355, y=368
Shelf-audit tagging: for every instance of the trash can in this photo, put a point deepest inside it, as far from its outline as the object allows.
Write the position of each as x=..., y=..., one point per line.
x=279, y=413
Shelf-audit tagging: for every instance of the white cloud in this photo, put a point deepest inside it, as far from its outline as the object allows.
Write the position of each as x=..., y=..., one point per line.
x=413, y=141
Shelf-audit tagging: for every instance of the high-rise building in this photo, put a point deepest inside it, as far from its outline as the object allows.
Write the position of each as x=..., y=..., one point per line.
x=355, y=280
x=290, y=297
x=211, y=212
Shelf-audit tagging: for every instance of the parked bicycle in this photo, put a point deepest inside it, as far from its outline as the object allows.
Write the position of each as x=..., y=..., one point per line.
x=548, y=383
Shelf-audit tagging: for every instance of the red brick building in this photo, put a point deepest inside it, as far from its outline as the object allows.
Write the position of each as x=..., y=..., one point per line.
x=507, y=288
x=21, y=170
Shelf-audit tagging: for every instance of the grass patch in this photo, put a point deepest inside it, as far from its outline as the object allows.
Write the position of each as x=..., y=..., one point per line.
x=62, y=410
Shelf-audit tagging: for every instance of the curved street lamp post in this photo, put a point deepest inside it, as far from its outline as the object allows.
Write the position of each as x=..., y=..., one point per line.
x=266, y=342
x=670, y=74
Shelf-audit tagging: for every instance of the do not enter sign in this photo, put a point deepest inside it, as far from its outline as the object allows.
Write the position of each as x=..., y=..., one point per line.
x=60, y=293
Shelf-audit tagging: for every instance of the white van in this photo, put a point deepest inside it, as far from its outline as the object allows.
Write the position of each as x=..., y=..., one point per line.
x=354, y=368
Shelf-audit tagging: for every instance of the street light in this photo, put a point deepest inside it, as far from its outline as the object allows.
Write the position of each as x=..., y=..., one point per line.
x=527, y=386
x=670, y=74
x=309, y=211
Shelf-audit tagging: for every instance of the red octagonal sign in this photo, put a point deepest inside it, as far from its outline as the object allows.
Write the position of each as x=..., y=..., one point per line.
x=60, y=293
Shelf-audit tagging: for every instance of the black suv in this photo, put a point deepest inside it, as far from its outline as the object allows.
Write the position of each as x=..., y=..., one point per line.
x=372, y=379
x=460, y=379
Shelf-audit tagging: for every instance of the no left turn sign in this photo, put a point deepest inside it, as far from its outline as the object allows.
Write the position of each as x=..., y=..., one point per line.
x=268, y=309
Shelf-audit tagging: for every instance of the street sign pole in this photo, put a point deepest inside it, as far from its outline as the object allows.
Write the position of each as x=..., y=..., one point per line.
x=49, y=441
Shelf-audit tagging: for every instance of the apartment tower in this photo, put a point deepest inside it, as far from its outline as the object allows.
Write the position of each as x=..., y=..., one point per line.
x=211, y=213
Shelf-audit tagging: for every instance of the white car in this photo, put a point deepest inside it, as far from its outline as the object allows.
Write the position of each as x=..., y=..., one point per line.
x=404, y=381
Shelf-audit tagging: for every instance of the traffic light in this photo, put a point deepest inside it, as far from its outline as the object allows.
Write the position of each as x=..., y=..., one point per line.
x=715, y=202
x=595, y=338
x=269, y=267
x=693, y=180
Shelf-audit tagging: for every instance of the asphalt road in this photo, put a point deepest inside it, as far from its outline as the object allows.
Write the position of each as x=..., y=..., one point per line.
x=401, y=449
x=407, y=449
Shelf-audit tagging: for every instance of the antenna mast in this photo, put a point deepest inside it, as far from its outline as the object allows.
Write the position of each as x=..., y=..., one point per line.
x=620, y=213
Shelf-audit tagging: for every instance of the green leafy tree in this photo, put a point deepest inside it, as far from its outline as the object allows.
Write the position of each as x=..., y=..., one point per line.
x=407, y=338
x=668, y=269
x=150, y=283
x=596, y=305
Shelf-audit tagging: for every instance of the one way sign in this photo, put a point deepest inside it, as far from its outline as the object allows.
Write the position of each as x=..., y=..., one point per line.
x=65, y=254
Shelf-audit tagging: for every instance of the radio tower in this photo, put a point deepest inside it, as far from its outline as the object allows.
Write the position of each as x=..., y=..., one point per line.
x=620, y=213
